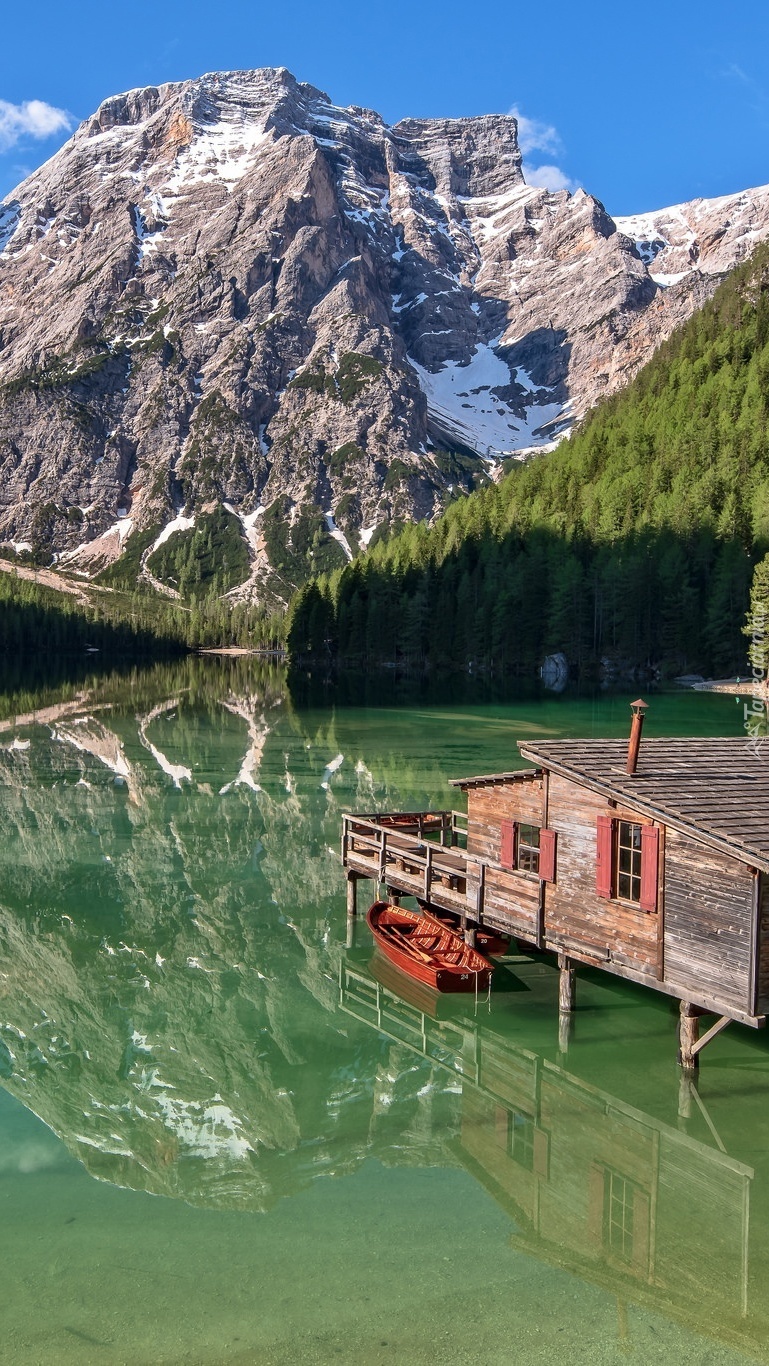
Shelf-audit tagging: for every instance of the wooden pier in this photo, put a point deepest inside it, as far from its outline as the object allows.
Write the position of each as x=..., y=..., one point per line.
x=650, y=862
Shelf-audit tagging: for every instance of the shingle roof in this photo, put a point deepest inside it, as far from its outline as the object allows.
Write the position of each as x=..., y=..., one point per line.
x=715, y=789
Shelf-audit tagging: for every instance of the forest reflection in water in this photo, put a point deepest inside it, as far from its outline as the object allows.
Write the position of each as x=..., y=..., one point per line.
x=179, y=1005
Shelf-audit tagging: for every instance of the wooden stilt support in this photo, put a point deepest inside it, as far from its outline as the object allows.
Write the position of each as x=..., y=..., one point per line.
x=567, y=985
x=688, y=1034
x=394, y=896
x=470, y=935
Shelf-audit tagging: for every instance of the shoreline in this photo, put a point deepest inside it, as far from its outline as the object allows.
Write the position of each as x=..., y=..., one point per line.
x=743, y=687
x=239, y=650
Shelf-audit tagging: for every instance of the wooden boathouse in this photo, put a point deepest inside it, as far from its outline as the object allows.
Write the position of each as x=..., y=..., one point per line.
x=650, y=861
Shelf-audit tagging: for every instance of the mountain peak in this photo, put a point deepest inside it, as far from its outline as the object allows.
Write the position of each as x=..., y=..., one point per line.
x=253, y=300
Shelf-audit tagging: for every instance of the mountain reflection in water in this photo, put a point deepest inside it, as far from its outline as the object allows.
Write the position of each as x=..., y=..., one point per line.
x=179, y=1006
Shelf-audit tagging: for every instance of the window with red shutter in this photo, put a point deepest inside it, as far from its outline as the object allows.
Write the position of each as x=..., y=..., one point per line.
x=527, y=847
x=507, y=851
x=547, y=842
x=650, y=845
x=604, y=855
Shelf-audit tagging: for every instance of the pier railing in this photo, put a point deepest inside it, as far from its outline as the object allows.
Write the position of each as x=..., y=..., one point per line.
x=392, y=848
x=423, y=854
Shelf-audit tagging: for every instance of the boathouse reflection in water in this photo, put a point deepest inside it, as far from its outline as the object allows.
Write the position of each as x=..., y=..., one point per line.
x=593, y=1185
x=178, y=1004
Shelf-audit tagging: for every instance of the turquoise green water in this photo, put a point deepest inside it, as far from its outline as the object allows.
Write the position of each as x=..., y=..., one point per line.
x=223, y=1140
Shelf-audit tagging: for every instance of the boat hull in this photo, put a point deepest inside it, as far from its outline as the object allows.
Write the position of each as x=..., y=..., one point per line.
x=426, y=950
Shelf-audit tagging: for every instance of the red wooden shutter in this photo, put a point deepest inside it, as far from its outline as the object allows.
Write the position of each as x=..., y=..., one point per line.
x=547, y=855
x=603, y=855
x=650, y=846
x=507, y=855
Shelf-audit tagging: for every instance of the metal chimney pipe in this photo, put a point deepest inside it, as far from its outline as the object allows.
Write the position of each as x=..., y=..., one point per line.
x=638, y=708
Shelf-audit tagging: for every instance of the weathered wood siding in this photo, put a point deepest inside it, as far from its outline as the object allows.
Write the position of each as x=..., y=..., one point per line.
x=576, y=918
x=487, y=807
x=511, y=901
x=763, y=945
x=708, y=915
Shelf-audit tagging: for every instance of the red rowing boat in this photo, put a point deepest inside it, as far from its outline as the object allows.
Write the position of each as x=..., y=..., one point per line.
x=427, y=950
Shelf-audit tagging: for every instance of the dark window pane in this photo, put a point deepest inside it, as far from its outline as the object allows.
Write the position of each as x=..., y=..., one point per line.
x=528, y=848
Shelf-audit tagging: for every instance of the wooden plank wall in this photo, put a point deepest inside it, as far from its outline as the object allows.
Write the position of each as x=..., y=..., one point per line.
x=763, y=945
x=708, y=914
x=487, y=807
x=576, y=917
x=511, y=902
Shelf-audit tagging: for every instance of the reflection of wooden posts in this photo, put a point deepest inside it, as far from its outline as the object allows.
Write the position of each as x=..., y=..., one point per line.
x=684, y=1096
x=352, y=908
x=688, y=1034
x=567, y=985
x=352, y=895
x=567, y=998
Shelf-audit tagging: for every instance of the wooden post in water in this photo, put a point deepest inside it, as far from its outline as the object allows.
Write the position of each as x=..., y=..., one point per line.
x=567, y=996
x=470, y=935
x=567, y=985
x=688, y=1034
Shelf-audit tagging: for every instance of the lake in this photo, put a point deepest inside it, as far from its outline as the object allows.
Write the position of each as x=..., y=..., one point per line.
x=224, y=1139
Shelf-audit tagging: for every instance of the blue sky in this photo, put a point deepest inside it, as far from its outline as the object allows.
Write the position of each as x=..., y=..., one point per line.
x=644, y=106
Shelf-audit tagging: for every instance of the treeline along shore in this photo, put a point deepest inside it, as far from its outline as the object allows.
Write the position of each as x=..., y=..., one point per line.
x=634, y=542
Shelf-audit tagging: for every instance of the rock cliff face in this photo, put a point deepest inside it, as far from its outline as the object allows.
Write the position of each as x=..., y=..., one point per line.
x=230, y=294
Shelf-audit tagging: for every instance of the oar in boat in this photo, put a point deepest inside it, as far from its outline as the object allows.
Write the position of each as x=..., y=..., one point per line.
x=403, y=942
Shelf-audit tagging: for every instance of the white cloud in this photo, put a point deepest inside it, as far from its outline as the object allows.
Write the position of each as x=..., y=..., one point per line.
x=32, y=119
x=548, y=178
x=536, y=136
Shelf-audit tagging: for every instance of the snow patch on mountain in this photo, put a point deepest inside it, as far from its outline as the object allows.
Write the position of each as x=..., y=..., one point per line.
x=464, y=400
x=223, y=151
x=178, y=523
x=338, y=535
x=486, y=216
x=10, y=218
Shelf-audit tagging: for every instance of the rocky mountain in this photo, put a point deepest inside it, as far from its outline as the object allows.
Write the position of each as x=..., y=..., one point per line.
x=237, y=319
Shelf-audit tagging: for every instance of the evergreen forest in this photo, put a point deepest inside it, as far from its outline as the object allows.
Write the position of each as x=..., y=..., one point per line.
x=37, y=620
x=631, y=546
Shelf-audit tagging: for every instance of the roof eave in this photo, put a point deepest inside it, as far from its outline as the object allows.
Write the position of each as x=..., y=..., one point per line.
x=750, y=857
x=496, y=779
